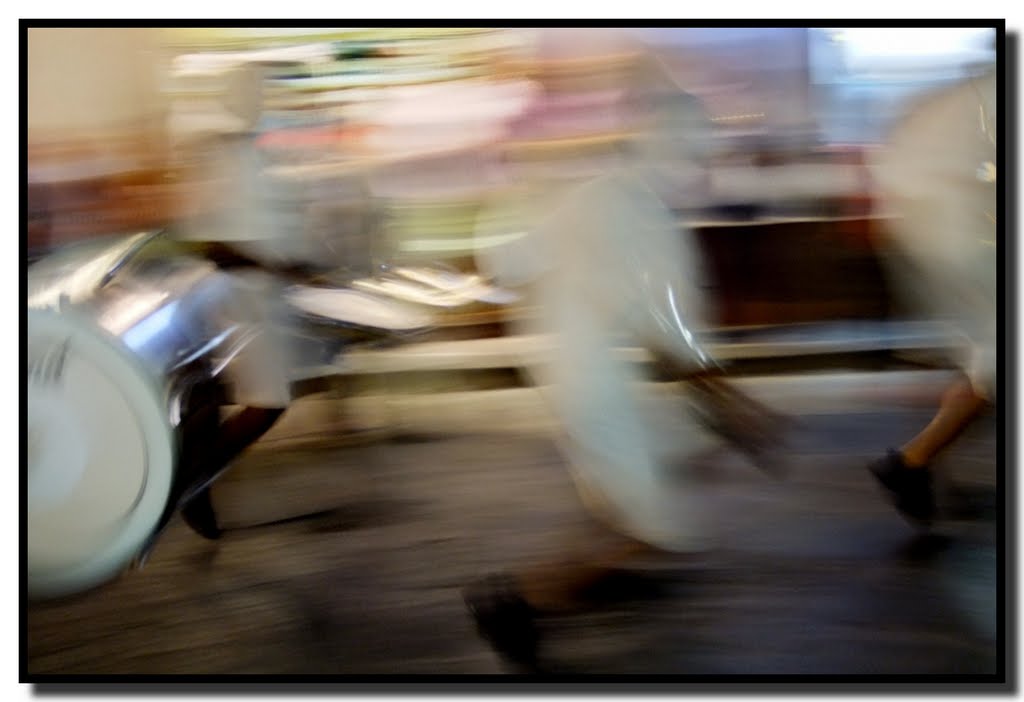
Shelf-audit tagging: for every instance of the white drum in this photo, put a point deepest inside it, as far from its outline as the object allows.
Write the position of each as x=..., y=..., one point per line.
x=101, y=454
x=120, y=355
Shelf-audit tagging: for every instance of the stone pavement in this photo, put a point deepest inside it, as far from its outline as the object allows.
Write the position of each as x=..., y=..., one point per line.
x=811, y=574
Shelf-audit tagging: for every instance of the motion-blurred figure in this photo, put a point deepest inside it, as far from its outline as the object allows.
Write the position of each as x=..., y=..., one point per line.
x=938, y=174
x=607, y=265
x=102, y=155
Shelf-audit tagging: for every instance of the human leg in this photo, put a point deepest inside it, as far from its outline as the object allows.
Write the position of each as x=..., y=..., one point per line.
x=506, y=606
x=905, y=473
x=959, y=406
x=209, y=460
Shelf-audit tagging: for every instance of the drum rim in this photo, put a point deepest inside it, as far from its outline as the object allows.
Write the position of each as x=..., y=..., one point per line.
x=297, y=297
x=113, y=554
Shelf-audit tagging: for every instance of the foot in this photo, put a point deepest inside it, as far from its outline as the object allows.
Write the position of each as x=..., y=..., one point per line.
x=504, y=619
x=198, y=513
x=909, y=488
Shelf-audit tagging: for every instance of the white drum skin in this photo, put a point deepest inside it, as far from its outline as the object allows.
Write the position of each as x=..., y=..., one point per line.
x=126, y=344
x=101, y=456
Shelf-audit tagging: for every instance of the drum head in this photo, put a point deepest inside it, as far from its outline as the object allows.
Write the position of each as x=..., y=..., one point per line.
x=353, y=308
x=100, y=455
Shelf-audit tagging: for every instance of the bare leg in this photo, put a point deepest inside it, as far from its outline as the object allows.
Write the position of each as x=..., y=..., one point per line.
x=591, y=555
x=505, y=606
x=736, y=413
x=904, y=473
x=742, y=406
x=959, y=406
x=717, y=382
x=747, y=424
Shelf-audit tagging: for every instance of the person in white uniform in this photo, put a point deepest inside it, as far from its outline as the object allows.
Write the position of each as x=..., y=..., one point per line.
x=607, y=266
x=938, y=175
x=102, y=148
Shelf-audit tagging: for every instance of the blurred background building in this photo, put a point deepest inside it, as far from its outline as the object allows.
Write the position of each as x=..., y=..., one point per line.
x=362, y=158
x=343, y=150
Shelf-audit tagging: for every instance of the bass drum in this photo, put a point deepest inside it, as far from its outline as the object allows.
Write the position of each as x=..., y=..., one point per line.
x=115, y=360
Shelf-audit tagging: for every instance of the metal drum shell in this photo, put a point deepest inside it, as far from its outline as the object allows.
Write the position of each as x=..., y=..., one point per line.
x=144, y=320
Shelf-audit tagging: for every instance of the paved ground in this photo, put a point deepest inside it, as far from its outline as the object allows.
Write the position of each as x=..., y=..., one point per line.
x=811, y=574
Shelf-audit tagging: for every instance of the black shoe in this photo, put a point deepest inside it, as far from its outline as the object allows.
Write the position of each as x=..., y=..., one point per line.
x=909, y=488
x=198, y=513
x=504, y=619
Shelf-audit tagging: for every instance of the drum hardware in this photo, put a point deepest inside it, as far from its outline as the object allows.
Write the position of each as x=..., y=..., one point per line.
x=134, y=248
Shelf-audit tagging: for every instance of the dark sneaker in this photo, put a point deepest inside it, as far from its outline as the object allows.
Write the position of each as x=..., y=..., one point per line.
x=909, y=488
x=504, y=619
